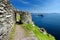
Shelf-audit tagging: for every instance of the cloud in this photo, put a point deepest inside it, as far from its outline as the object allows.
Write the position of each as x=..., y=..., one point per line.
x=24, y=2
x=27, y=2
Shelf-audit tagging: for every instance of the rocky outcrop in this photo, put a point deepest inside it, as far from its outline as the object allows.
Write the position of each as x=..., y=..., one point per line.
x=6, y=18
x=42, y=30
x=24, y=16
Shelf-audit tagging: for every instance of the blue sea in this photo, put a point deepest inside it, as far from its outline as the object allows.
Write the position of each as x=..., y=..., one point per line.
x=49, y=21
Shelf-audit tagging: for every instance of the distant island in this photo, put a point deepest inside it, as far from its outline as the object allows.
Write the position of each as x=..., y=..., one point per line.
x=41, y=15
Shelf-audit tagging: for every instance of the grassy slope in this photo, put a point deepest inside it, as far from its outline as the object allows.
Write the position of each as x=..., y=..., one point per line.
x=38, y=34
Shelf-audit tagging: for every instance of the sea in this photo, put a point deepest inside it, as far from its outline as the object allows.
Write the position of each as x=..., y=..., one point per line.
x=49, y=21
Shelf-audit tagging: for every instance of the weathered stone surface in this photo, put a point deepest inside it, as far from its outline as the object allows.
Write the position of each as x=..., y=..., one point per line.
x=42, y=30
x=24, y=16
x=6, y=18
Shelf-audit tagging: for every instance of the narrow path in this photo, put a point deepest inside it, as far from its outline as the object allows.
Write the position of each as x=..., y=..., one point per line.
x=19, y=33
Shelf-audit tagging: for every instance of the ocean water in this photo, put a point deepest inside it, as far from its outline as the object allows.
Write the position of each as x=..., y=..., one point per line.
x=49, y=21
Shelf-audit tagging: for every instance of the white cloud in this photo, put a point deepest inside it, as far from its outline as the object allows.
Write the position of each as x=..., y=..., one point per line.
x=24, y=2
x=27, y=2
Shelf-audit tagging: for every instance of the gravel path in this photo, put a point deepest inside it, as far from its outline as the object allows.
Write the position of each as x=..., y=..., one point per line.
x=19, y=33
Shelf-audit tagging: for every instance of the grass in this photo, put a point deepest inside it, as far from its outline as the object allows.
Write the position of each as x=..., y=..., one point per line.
x=18, y=17
x=37, y=33
x=11, y=36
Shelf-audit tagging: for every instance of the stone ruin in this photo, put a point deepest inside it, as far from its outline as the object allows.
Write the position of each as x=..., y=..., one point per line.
x=24, y=16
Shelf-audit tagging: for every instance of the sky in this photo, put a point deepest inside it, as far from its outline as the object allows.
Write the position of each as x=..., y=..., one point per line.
x=37, y=6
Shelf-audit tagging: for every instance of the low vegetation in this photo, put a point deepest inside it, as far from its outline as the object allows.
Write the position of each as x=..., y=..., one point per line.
x=11, y=36
x=35, y=30
x=18, y=17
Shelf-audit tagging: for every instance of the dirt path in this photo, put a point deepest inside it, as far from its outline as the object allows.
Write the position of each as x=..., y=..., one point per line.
x=19, y=33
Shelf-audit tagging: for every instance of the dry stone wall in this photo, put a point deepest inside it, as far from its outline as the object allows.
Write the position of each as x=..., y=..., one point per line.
x=6, y=18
